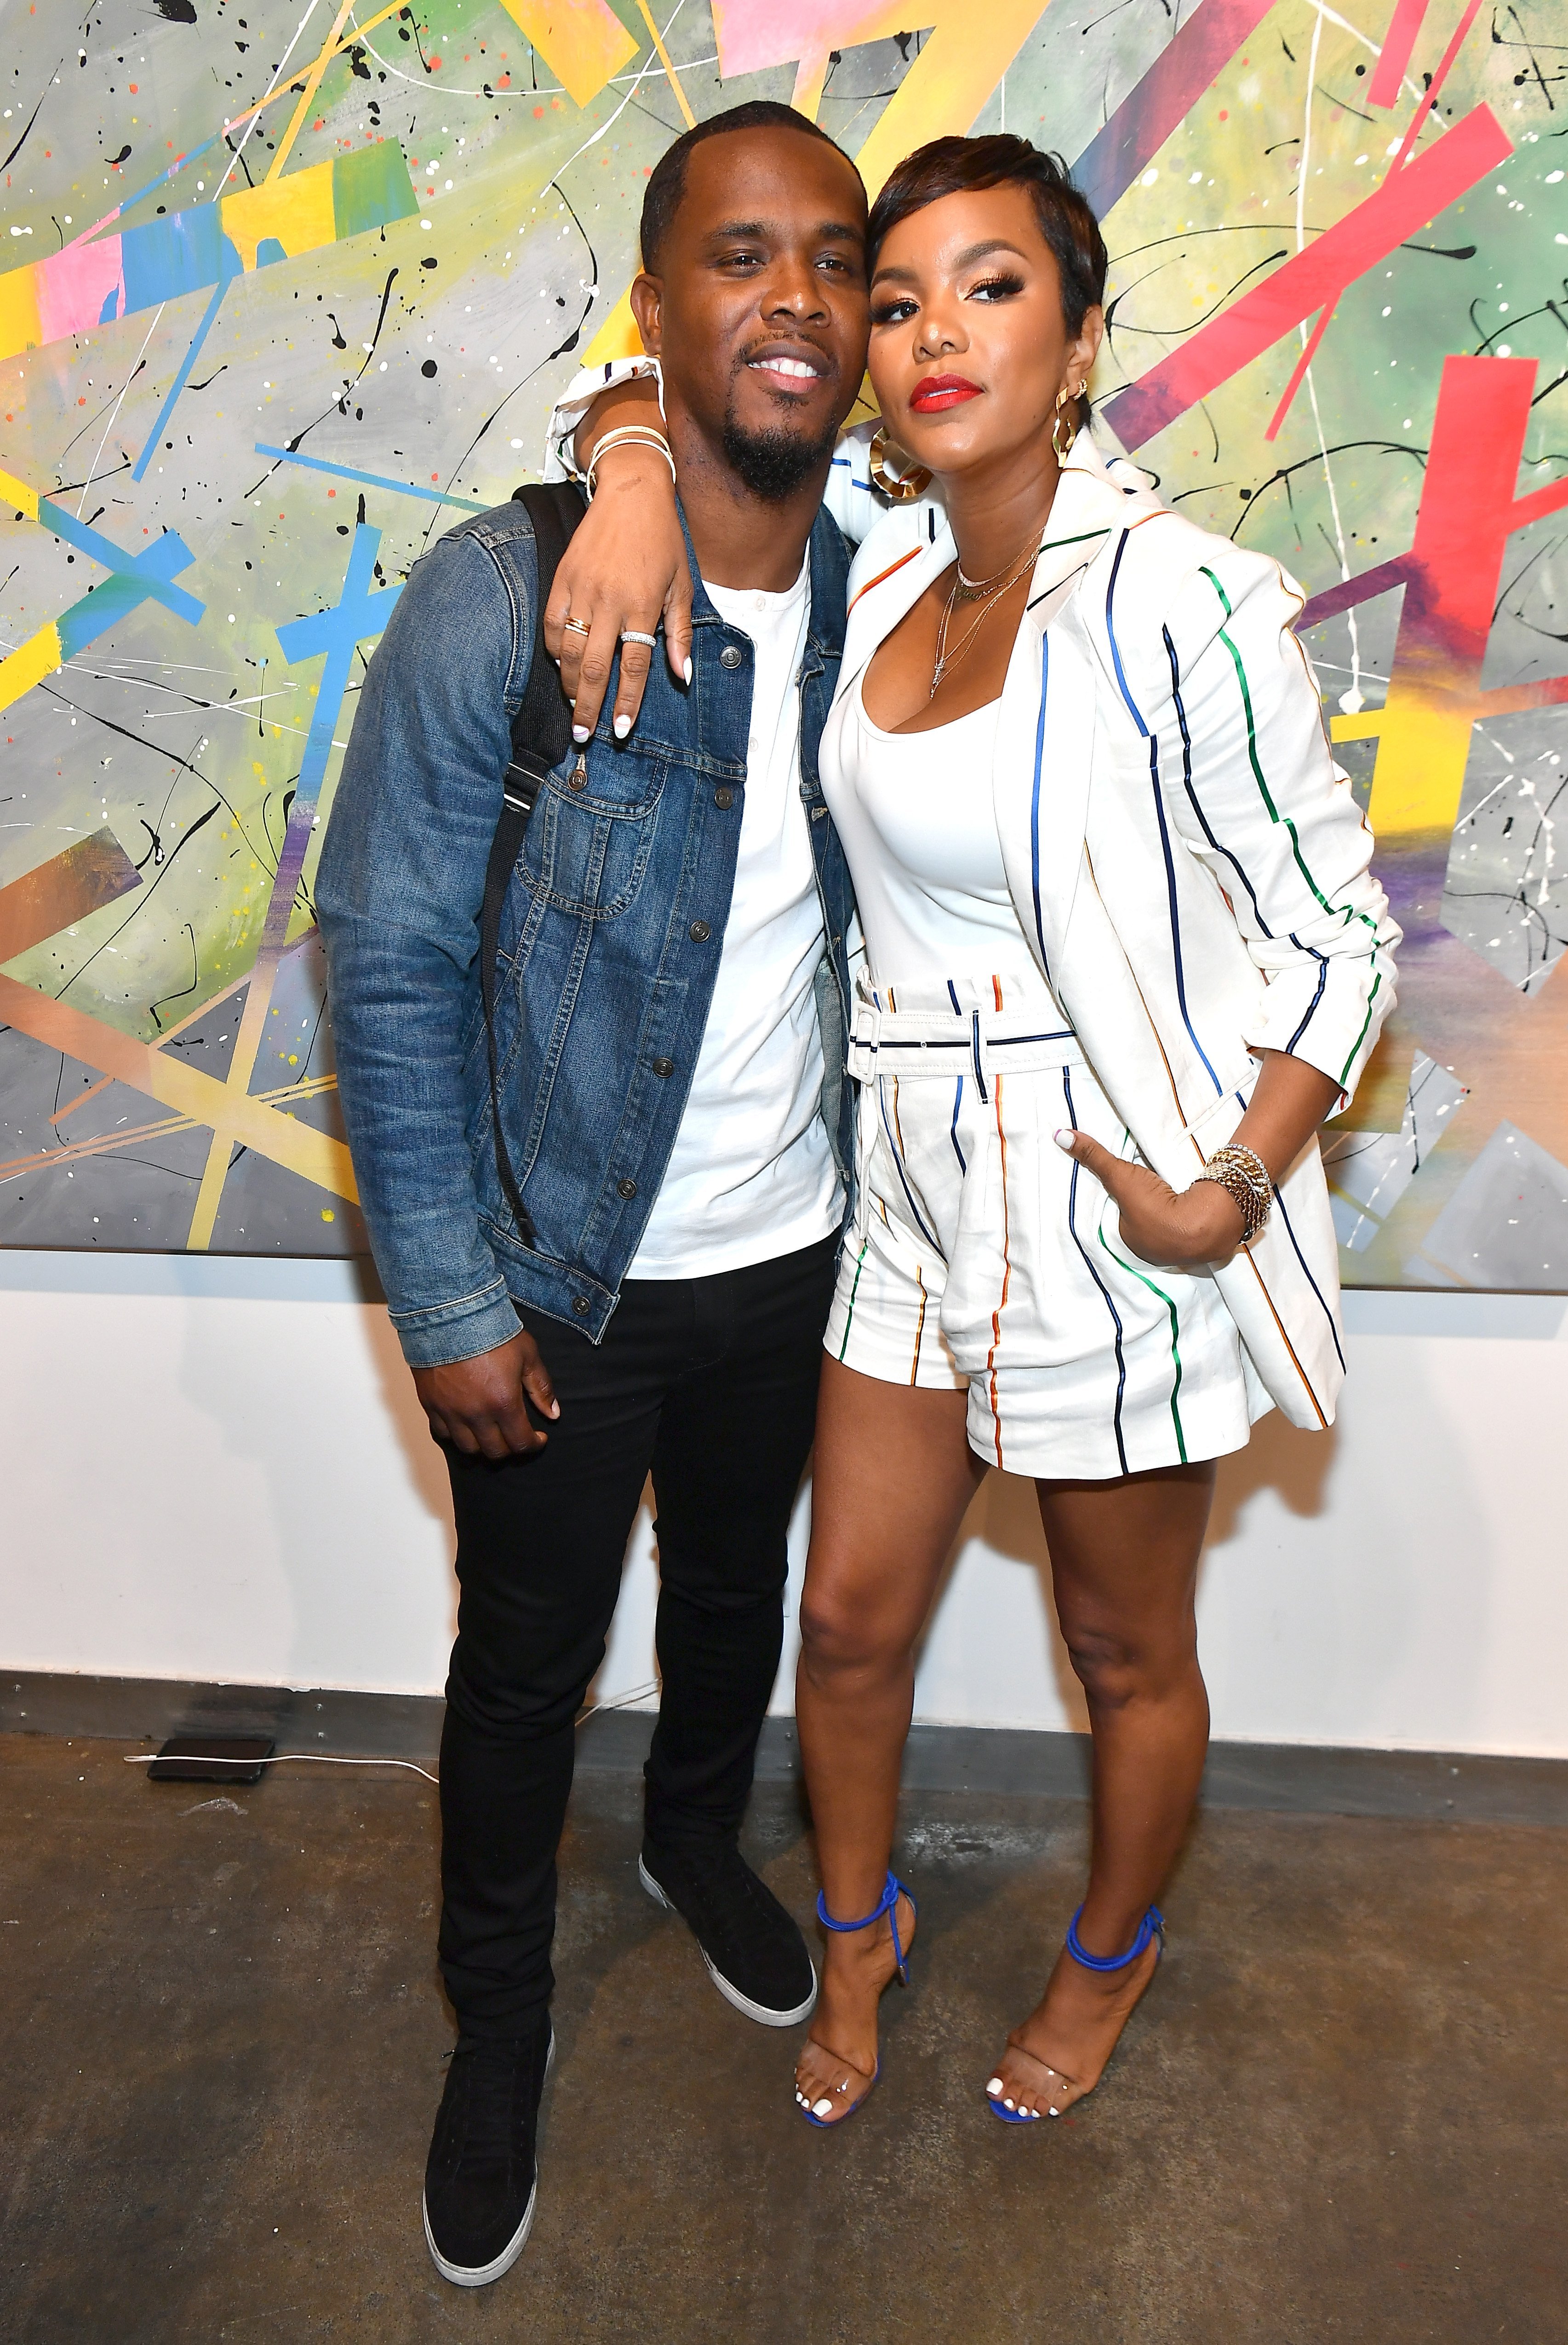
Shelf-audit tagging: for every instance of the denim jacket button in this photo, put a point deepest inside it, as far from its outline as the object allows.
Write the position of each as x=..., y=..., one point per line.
x=724, y=799
x=730, y=657
x=663, y=1066
x=699, y=932
x=581, y=1305
x=626, y=1188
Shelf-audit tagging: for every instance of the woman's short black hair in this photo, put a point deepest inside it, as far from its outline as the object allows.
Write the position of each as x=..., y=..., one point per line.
x=951, y=166
x=667, y=182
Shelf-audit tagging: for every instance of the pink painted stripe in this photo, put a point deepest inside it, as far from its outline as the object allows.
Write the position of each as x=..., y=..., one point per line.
x=73, y=286
x=1398, y=42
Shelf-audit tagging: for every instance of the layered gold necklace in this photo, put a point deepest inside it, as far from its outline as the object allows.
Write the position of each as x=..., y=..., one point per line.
x=988, y=593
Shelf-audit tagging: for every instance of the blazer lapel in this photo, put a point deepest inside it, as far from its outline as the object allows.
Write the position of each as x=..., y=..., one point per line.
x=1046, y=736
x=897, y=577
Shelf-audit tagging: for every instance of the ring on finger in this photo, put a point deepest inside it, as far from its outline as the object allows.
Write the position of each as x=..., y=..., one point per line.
x=636, y=635
x=575, y=627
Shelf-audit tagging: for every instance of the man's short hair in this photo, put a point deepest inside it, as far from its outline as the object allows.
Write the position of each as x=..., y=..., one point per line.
x=667, y=183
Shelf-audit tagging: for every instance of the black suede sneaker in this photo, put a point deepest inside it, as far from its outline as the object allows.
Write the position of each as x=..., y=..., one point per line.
x=481, y=2177
x=754, y=1952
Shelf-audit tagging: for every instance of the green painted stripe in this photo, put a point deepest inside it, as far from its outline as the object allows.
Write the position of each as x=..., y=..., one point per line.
x=1344, y=911
x=1175, y=1333
x=1361, y=1036
x=849, y=1314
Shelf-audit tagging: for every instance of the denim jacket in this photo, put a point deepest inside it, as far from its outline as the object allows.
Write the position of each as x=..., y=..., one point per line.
x=608, y=949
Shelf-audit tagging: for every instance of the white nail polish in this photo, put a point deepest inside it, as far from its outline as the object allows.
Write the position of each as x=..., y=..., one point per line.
x=580, y=734
x=688, y=671
x=823, y=2108
x=995, y=2087
x=622, y=726
x=1064, y=1140
x=1055, y=2112
x=1007, y=2104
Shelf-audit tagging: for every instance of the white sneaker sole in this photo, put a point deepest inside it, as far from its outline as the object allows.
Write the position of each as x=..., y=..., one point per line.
x=764, y=2013
x=482, y=2275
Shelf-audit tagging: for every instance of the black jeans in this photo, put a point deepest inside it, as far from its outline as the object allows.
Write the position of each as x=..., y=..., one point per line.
x=711, y=1384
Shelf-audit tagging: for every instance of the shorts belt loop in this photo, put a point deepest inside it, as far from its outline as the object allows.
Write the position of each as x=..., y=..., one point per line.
x=975, y=1052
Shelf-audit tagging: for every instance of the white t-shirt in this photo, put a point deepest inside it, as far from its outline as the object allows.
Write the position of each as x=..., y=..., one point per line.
x=751, y=1175
x=916, y=818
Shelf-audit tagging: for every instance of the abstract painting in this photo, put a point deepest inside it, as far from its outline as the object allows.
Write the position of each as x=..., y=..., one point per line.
x=287, y=288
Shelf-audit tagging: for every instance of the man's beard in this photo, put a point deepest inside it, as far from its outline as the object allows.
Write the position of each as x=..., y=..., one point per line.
x=774, y=463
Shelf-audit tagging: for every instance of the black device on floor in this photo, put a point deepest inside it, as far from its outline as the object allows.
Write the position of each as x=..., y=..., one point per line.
x=211, y=1759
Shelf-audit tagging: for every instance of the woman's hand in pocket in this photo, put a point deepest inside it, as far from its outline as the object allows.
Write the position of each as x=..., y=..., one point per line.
x=1186, y=1227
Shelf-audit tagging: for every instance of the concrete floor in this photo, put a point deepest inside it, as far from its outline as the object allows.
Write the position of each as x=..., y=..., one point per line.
x=1340, y=2113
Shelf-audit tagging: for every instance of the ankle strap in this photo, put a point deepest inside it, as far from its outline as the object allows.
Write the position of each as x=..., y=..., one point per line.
x=892, y=1889
x=1152, y=1926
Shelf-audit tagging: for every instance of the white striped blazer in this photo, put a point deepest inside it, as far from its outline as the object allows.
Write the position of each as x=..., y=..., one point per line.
x=1188, y=863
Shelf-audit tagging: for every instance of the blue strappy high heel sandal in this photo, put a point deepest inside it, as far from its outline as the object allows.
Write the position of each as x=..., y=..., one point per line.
x=892, y=1890
x=1151, y=1928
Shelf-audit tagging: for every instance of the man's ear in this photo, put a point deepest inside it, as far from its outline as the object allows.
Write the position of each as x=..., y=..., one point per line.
x=647, y=299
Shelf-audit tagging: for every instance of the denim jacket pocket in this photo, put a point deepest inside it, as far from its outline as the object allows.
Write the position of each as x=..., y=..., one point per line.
x=586, y=848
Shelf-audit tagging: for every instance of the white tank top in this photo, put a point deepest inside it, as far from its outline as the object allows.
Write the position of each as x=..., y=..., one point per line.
x=916, y=815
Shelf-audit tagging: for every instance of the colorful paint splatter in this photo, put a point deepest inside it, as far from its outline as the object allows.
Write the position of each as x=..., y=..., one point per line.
x=305, y=292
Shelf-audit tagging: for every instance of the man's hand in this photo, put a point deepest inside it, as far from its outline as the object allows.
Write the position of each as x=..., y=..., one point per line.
x=1162, y=1225
x=626, y=566
x=478, y=1404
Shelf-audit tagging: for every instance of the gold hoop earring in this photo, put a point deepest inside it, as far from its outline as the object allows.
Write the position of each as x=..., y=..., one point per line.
x=1059, y=418
x=902, y=487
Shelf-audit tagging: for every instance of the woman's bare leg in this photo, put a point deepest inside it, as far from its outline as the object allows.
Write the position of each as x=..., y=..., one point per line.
x=1124, y=1563
x=893, y=1474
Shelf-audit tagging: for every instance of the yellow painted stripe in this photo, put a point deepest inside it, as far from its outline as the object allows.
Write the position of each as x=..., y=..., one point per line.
x=29, y=665
x=283, y=1139
x=16, y=493
x=584, y=40
x=297, y=210
x=19, y=326
x=617, y=337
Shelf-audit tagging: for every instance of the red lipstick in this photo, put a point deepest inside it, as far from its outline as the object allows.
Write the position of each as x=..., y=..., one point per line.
x=935, y=392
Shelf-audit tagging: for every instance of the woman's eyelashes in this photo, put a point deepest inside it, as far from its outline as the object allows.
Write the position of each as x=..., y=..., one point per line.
x=995, y=289
x=901, y=307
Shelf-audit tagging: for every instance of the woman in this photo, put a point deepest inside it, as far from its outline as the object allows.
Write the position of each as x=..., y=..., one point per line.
x=1123, y=955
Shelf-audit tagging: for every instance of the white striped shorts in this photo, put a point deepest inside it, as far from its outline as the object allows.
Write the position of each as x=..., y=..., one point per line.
x=984, y=1258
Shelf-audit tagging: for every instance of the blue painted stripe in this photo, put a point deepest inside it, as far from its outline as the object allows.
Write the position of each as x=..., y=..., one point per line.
x=1089, y=1265
x=1175, y=918
x=1110, y=630
x=1192, y=794
x=953, y=1131
x=366, y=479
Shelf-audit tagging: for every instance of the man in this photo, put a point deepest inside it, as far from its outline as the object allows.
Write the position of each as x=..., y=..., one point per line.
x=670, y=1016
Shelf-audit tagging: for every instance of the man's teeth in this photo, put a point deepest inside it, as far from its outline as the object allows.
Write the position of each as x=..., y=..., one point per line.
x=787, y=365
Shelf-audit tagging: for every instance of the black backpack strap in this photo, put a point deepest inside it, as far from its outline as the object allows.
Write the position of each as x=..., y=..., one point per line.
x=541, y=737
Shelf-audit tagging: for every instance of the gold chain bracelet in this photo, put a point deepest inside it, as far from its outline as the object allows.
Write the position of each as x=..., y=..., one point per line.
x=1241, y=1173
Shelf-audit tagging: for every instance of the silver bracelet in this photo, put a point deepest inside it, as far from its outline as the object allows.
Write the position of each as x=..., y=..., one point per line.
x=628, y=435
x=1241, y=1173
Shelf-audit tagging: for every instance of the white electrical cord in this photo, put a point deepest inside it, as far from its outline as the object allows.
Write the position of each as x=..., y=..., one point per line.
x=283, y=1759
x=330, y=1758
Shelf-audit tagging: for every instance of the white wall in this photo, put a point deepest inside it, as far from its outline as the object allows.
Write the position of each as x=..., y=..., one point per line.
x=215, y=1470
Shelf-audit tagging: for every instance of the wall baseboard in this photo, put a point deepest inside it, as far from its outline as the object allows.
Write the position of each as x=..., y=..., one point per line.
x=1302, y=1779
